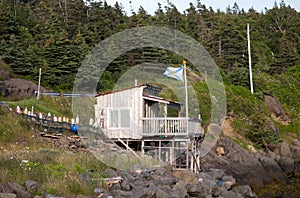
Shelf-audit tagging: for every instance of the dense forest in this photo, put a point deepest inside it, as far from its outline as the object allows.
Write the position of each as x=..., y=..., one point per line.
x=56, y=35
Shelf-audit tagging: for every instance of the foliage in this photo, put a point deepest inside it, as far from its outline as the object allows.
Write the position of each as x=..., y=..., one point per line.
x=251, y=116
x=57, y=35
x=281, y=189
x=204, y=100
x=5, y=71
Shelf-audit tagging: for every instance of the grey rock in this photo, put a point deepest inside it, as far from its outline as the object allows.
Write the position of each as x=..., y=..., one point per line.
x=195, y=190
x=228, y=182
x=219, y=191
x=286, y=164
x=274, y=105
x=140, y=183
x=216, y=174
x=125, y=185
x=297, y=169
x=186, y=176
x=237, y=162
x=20, y=191
x=127, y=176
x=8, y=195
x=284, y=150
x=271, y=154
x=164, y=180
x=145, y=192
x=32, y=186
x=207, y=182
x=18, y=88
x=180, y=188
x=116, y=186
x=5, y=187
x=223, y=192
x=106, y=195
x=230, y=194
x=296, y=142
x=245, y=191
x=121, y=193
x=161, y=194
x=295, y=150
x=271, y=166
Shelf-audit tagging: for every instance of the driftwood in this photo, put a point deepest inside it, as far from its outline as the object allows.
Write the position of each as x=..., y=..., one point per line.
x=110, y=181
x=49, y=136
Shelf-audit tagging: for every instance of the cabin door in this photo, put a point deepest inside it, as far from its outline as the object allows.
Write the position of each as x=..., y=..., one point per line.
x=151, y=109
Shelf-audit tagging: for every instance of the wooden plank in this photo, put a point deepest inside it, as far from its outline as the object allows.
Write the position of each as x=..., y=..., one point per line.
x=129, y=148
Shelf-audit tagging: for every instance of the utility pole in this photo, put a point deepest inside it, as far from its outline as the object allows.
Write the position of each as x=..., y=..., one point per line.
x=186, y=91
x=39, y=85
x=249, y=55
x=186, y=98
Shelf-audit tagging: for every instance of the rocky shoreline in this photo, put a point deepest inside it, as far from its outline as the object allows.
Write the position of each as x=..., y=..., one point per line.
x=234, y=173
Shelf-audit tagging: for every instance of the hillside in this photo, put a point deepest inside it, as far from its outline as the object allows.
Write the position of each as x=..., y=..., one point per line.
x=259, y=145
x=250, y=123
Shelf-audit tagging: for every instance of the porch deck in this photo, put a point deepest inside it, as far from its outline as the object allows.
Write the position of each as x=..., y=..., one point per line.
x=169, y=126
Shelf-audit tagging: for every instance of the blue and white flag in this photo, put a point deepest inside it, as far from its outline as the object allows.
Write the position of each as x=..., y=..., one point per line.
x=174, y=72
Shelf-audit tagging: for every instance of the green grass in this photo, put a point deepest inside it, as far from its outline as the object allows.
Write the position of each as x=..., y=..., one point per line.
x=281, y=189
x=59, y=106
x=24, y=156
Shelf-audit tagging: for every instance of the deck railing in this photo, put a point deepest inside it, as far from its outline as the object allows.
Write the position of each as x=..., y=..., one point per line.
x=169, y=126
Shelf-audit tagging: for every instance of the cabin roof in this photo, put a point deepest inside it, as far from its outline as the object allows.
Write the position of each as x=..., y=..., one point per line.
x=147, y=94
x=162, y=100
x=119, y=90
x=150, y=88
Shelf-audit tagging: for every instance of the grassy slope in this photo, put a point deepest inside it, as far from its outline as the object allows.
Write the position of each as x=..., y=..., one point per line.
x=251, y=116
x=24, y=156
x=58, y=171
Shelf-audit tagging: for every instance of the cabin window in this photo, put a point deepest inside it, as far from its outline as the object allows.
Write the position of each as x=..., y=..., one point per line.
x=119, y=118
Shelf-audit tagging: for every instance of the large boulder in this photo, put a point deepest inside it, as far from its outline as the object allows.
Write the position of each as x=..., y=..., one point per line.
x=284, y=150
x=195, y=190
x=20, y=191
x=244, y=166
x=274, y=105
x=19, y=88
x=228, y=182
x=276, y=110
x=245, y=191
x=32, y=186
x=295, y=150
x=271, y=165
x=287, y=165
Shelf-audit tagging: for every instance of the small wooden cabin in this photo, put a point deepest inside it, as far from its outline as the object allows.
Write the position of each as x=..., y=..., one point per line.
x=138, y=116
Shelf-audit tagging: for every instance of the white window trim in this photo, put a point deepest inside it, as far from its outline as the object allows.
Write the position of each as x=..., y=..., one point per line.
x=119, y=117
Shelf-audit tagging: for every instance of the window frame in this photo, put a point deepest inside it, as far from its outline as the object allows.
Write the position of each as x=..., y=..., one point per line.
x=118, y=109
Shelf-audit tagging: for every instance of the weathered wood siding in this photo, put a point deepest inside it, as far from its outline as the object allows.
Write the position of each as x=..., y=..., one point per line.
x=130, y=98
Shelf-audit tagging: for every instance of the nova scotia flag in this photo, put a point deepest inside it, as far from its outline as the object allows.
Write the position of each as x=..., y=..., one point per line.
x=174, y=73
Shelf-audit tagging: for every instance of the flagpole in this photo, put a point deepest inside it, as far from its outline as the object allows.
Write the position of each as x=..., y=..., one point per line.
x=249, y=56
x=186, y=91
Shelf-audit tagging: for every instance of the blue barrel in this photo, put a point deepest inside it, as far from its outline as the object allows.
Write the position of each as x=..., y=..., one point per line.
x=74, y=128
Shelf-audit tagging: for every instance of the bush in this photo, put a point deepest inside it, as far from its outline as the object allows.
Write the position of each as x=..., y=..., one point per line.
x=5, y=71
